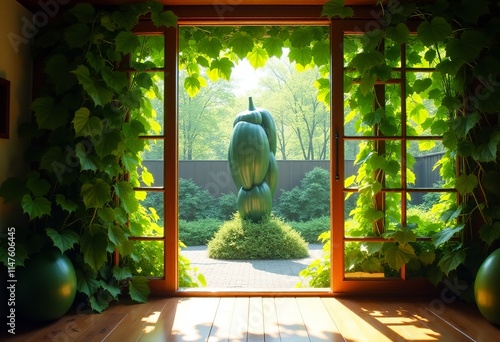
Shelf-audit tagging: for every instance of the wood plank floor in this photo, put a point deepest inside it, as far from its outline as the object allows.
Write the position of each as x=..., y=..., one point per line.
x=272, y=319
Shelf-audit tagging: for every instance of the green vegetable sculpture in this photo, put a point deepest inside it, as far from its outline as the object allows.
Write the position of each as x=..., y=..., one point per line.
x=252, y=161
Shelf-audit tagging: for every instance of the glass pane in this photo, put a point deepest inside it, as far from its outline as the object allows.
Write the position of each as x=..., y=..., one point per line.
x=424, y=162
x=391, y=165
x=425, y=114
x=360, y=215
x=148, y=219
x=149, y=118
x=392, y=214
x=351, y=151
x=422, y=214
x=151, y=172
x=390, y=117
x=149, y=54
x=149, y=259
x=359, y=114
x=366, y=260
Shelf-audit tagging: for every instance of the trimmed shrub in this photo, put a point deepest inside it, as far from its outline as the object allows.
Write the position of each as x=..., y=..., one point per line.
x=310, y=200
x=228, y=206
x=195, y=203
x=198, y=233
x=241, y=239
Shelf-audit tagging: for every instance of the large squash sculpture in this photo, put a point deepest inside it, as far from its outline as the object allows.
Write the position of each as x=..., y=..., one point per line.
x=252, y=161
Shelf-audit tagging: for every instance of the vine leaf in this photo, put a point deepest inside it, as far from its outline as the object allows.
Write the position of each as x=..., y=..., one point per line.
x=210, y=47
x=398, y=255
x=372, y=264
x=192, y=84
x=404, y=236
x=165, y=18
x=38, y=187
x=427, y=257
x=321, y=53
x=97, y=194
x=127, y=42
x=399, y=33
x=257, y=57
x=63, y=240
x=111, y=287
x=467, y=47
x=302, y=56
x=432, y=32
x=121, y=273
x=67, y=205
x=490, y=233
x=47, y=115
x=466, y=183
x=366, y=60
x=445, y=235
x=451, y=260
x=336, y=8
x=86, y=282
x=94, y=249
x=35, y=207
x=273, y=46
x=99, y=93
x=220, y=68
x=301, y=38
x=241, y=44
x=139, y=289
x=86, y=161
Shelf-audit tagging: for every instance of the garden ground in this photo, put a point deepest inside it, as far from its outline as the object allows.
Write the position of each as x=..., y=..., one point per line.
x=249, y=273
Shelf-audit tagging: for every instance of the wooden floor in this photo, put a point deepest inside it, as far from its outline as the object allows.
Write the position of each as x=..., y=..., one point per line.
x=272, y=319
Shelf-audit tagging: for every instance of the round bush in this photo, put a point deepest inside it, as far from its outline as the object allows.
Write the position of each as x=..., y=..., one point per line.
x=271, y=238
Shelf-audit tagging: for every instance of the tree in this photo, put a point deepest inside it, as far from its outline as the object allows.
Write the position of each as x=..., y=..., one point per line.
x=303, y=122
x=198, y=120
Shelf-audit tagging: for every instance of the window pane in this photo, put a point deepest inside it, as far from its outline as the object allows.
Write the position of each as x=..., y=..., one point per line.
x=149, y=54
x=151, y=172
x=425, y=114
x=424, y=158
x=390, y=116
x=366, y=260
x=150, y=259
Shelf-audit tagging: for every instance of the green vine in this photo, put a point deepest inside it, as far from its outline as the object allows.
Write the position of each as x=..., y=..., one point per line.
x=86, y=152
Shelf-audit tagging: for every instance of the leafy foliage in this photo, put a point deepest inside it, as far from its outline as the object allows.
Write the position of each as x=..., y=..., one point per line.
x=85, y=144
x=309, y=200
x=271, y=238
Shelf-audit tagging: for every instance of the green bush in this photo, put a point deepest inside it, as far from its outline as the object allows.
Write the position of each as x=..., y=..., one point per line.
x=246, y=240
x=198, y=233
x=311, y=230
x=194, y=202
x=228, y=205
x=317, y=273
x=310, y=200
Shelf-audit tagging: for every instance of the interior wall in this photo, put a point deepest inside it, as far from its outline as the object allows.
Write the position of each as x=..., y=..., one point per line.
x=17, y=27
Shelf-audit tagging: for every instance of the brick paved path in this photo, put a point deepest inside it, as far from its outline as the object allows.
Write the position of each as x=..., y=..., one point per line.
x=249, y=273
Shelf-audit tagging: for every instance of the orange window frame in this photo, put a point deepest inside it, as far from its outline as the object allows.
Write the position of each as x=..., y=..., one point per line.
x=265, y=15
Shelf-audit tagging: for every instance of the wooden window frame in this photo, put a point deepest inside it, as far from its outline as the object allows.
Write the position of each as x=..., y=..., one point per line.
x=265, y=15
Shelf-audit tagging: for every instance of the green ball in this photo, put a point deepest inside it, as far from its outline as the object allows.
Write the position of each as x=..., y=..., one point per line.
x=45, y=287
x=487, y=288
